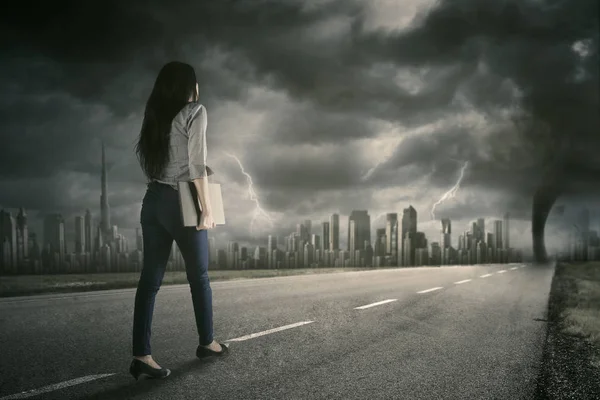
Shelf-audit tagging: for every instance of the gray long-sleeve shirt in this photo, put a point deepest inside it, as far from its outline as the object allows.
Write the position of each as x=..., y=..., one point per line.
x=187, y=146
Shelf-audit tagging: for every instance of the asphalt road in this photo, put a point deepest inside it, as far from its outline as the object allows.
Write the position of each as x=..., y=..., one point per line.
x=479, y=335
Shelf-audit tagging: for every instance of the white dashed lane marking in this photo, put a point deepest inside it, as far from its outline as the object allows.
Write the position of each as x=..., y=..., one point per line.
x=430, y=290
x=461, y=282
x=485, y=276
x=501, y=271
x=267, y=332
x=57, y=386
x=375, y=304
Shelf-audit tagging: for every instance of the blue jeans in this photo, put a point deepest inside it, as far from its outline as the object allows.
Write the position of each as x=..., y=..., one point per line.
x=161, y=224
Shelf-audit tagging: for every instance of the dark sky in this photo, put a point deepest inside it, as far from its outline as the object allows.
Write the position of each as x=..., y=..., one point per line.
x=330, y=105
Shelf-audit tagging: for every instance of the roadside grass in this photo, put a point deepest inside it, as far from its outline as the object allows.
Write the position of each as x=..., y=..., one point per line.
x=581, y=315
x=23, y=285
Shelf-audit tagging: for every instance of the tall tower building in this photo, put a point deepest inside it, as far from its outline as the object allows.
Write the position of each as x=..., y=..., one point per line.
x=362, y=229
x=54, y=236
x=407, y=244
x=308, y=227
x=88, y=232
x=365, y=229
x=490, y=240
x=315, y=240
x=497, y=245
x=334, y=233
x=474, y=230
x=325, y=235
x=481, y=229
x=8, y=241
x=139, y=241
x=22, y=237
x=271, y=246
x=379, y=248
x=391, y=237
x=352, y=236
x=409, y=220
x=104, y=207
x=446, y=233
x=409, y=231
x=506, y=231
x=79, y=235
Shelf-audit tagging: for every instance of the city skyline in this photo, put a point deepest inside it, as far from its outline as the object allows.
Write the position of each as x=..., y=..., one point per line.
x=89, y=231
x=399, y=242
x=303, y=248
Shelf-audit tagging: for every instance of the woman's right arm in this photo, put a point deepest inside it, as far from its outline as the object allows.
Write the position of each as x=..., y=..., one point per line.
x=197, y=158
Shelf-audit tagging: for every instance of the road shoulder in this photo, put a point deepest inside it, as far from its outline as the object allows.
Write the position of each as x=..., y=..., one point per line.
x=570, y=367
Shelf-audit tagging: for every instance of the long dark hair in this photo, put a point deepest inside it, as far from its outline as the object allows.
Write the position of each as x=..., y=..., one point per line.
x=175, y=83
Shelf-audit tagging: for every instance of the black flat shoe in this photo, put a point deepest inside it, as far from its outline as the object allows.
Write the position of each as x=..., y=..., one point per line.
x=139, y=368
x=203, y=352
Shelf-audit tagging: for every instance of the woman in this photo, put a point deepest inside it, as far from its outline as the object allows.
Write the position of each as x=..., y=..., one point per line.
x=172, y=148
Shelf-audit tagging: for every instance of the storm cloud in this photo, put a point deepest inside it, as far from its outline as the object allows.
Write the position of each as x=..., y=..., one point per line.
x=310, y=95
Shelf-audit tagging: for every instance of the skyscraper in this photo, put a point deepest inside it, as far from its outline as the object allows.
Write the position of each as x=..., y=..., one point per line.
x=446, y=233
x=506, y=231
x=436, y=254
x=407, y=245
x=271, y=246
x=79, y=235
x=352, y=236
x=334, y=233
x=379, y=248
x=308, y=227
x=409, y=230
x=490, y=240
x=8, y=241
x=481, y=229
x=54, y=237
x=99, y=240
x=391, y=237
x=104, y=207
x=420, y=240
x=362, y=229
x=301, y=231
x=315, y=240
x=365, y=230
x=474, y=230
x=498, y=236
x=325, y=235
x=88, y=232
x=22, y=237
x=139, y=240
x=409, y=220
x=212, y=251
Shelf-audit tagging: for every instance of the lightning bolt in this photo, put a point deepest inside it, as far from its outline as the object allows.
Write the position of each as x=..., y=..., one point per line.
x=258, y=211
x=370, y=172
x=452, y=192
